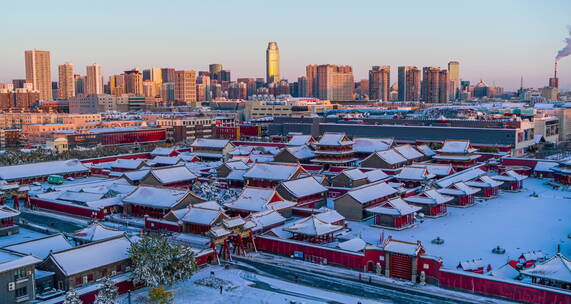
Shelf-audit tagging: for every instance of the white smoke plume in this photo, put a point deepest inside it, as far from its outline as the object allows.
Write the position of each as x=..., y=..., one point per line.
x=566, y=50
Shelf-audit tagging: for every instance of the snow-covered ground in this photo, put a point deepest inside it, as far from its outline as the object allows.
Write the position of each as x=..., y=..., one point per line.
x=243, y=291
x=516, y=222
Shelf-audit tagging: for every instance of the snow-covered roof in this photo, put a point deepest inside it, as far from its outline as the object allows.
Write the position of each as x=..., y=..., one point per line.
x=533, y=255
x=242, y=150
x=236, y=175
x=301, y=152
x=312, y=226
x=218, y=231
x=544, y=166
x=409, y=152
x=509, y=176
x=256, y=199
x=81, y=197
x=456, y=147
x=92, y=255
x=371, y=192
x=131, y=164
x=212, y=205
x=402, y=247
x=354, y=174
x=106, y=202
x=10, y=261
x=371, y=145
x=459, y=189
x=334, y=139
x=329, y=216
x=264, y=219
x=429, y=197
x=236, y=164
x=304, y=186
x=261, y=158
x=414, y=174
x=436, y=169
x=277, y=172
x=557, y=268
x=162, y=151
x=196, y=215
x=391, y=157
x=165, y=160
x=355, y=245
x=506, y=271
x=210, y=143
x=233, y=222
x=484, y=181
x=471, y=264
x=59, y=167
x=136, y=175
x=7, y=212
x=155, y=197
x=300, y=140
x=41, y=247
x=376, y=175
x=456, y=157
x=395, y=206
x=171, y=175
x=96, y=232
x=462, y=176
x=426, y=150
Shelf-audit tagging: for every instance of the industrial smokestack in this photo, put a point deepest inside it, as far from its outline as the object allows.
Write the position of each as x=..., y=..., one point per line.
x=566, y=50
x=555, y=70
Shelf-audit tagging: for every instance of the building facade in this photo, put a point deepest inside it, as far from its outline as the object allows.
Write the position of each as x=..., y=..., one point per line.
x=39, y=72
x=66, y=81
x=272, y=62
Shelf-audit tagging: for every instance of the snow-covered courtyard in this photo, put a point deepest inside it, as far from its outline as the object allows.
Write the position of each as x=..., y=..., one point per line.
x=516, y=222
x=247, y=288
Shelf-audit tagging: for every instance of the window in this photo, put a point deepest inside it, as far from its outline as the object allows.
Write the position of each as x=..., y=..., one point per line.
x=19, y=274
x=22, y=291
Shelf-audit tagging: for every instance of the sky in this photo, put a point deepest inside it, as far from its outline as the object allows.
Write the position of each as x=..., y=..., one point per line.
x=498, y=41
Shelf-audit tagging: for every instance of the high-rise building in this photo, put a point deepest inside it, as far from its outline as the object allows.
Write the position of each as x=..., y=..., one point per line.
x=311, y=75
x=430, y=84
x=185, y=86
x=453, y=79
x=380, y=83
x=39, y=72
x=225, y=75
x=134, y=82
x=79, y=84
x=443, y=86
x=66, y=81
x=335, y=82
x=94, y=78
x=302, y=87
x=167, y=92
x=272, y=63
x=215, y=70
x=167, y=74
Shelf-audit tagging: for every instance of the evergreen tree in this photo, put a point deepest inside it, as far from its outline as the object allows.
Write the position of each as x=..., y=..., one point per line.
x=158, y=262
x=108, y=293
x=158, y=295
x=71, y=297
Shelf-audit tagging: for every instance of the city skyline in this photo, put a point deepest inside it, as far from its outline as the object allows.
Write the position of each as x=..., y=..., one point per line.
x=513, y=45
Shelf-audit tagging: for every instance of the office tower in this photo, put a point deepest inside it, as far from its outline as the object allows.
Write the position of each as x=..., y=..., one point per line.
x=39, y=72
x=55, y=89
x=185, y=86
x=167, y=74
x=153, y=74
x=335, y=82
x=311, y=75
x=443, y=86
x=80, y=82
x=363, y=86
x=225, y=75
x=409, y=83
x=134, y=82
x=430, y=84
x=272, y=63
x=66, y=81
x=380, y=82
x=18, y=83
x=453, y=79
x=94, y=83
x=167, y=92
x=117, y=84
x=302, y=87
x=215, y=70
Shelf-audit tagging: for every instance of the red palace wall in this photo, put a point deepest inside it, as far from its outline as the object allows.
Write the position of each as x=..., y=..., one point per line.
x=106, y=159
x=161, y=225
x=501, y=288
x=68, y=208
x=133, y=137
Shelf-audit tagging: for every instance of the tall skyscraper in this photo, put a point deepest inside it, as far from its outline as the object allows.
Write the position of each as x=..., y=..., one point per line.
x=453, y=79
x=408, y=83
x=167, y=74
x=79, y=84
x=185, y=86
x=134, y=82
x=94, y=83
x=272, y=63
x=215, y=70
x=335, y=82
x=430, y=84
x=380, y=83
x=39, y=72
x=311, y=75
x=66, y=81
x=224, y=75
x=443, y=86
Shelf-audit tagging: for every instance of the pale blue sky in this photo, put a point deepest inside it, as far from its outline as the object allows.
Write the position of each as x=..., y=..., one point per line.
x=494, y=40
